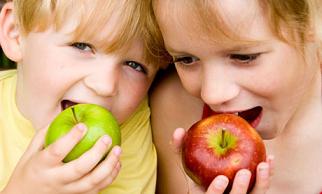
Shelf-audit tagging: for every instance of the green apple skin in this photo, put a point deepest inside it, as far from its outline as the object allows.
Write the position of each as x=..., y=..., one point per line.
x=98, y=120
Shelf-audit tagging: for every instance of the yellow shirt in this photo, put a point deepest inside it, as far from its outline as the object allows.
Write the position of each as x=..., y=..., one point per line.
x=138, y=172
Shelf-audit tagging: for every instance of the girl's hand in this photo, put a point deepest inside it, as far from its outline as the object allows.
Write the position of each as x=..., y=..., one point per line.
x=42, y=170
x=242, y=178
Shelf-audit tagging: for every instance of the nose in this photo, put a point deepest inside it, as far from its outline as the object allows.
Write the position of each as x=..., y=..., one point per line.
x=103, y=81
x=218, y=85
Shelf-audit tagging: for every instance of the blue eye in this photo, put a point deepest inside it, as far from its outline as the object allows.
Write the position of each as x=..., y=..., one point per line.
x=136, y=66
x=83, y=46
x=185, y=60
x=244, y=58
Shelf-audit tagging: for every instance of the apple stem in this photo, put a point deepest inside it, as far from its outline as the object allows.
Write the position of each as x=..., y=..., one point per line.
x=74, y=114
x=223, y=142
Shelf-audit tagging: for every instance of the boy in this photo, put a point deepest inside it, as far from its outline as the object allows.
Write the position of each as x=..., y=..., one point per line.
x=70, y=52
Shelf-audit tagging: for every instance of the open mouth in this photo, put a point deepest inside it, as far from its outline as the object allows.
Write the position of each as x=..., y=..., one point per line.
x=67, y=103
x=252, y=116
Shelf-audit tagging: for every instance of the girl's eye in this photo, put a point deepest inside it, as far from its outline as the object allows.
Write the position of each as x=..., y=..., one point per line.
x=136, y=66
x=83, y=46
x=185, y=60
x=244, y=58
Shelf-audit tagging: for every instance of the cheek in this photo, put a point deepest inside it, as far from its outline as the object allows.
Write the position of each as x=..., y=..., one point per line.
x=130, y=96
x=278, y=73
x=191, y=82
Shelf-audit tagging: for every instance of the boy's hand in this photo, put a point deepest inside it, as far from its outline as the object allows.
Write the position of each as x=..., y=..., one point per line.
x=242, y=178
x=42, y=170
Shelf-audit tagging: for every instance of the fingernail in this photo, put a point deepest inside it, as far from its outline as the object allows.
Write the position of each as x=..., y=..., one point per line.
x=244, y=176
x=81, y=127
x=221, y=183
x=106, y=140
x=263, y=170
x=117, y=151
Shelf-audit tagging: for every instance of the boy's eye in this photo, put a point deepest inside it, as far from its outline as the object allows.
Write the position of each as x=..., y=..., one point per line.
x=244, y=58
x=185, y=60
x=136, y=66
x=83, y=46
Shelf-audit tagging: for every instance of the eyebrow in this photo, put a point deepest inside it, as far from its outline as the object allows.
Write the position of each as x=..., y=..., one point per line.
x=246, y=46
x=173, y=51
x=234, y=47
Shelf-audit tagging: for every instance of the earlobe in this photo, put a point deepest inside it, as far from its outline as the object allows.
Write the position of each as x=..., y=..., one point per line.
x=9, y=33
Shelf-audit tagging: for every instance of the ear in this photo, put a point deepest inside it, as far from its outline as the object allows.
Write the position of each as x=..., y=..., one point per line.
x=9, y=33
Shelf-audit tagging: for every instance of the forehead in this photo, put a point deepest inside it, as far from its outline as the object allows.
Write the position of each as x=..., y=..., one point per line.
x=217, y=21
x=102, y=23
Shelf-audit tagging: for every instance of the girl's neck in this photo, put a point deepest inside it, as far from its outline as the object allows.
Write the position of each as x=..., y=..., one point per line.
x=305, y=126
x=298, y=149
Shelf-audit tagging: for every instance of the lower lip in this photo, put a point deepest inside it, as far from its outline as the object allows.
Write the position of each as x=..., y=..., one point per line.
x=256, y=122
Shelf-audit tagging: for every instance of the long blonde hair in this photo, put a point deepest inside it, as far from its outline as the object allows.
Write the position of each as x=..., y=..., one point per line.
x=293, y=21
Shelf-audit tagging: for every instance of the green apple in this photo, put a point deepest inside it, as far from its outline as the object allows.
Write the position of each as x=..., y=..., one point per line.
x=98, y=120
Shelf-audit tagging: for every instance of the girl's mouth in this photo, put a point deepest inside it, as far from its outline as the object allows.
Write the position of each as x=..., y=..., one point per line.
x=252, y=116
x=67, y=103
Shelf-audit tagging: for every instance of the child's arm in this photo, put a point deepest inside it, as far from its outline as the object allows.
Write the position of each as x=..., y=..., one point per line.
x=242, y=178
x=42, y=170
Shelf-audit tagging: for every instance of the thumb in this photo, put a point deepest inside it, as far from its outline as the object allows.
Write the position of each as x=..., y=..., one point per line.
x=36, y=144
x=177, y=139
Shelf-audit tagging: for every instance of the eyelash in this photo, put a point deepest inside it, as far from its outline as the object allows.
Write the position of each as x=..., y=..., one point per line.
x=244, y=58
x=83, y=47
x=134, y=65
x=185, y=60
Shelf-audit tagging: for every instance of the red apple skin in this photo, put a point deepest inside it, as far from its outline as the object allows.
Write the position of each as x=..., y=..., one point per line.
x=202, y=163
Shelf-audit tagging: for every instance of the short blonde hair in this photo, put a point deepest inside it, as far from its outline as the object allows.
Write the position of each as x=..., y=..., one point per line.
x=133, y=22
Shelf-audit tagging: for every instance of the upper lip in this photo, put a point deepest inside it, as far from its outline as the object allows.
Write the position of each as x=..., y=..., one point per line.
x=249, y=114
x=229, y=112
x=233, y=111
x=67, y=103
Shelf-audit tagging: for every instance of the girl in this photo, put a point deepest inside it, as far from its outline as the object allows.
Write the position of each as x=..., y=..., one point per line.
x=258, y=59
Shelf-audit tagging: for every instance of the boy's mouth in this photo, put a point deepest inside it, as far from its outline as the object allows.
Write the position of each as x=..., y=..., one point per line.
x=67, y=103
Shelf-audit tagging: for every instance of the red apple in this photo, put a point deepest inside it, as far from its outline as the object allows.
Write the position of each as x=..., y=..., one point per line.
x=221, y=145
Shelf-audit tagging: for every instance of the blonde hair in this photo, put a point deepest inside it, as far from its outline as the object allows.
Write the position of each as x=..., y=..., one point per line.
x=134, y=21
x=293, y=21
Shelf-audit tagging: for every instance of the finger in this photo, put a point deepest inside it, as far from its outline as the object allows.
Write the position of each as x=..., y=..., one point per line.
x=103, y=171
x=86, y=162
x=270, y=161
x=108, y=180
x=262, y=178
x=241, y=182
x=218, y=185
x=57, y=151
x=36, y=144
x=177, y=139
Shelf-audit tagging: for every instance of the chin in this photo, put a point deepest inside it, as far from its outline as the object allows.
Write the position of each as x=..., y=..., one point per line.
x=267, y=133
